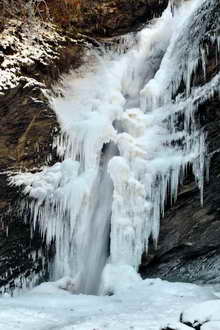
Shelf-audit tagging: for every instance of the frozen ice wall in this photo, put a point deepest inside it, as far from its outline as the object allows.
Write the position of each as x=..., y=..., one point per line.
x=128, y=136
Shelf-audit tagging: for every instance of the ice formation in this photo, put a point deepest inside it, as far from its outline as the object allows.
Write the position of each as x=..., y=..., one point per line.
x=124, y=149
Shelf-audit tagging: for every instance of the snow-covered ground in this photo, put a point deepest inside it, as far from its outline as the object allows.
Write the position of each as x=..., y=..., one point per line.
x=136, y=304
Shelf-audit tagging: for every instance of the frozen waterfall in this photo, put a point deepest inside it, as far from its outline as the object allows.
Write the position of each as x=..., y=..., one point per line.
x=124, y=149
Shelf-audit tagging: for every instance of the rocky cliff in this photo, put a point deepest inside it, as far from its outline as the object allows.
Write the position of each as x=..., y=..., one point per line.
x=105, y=18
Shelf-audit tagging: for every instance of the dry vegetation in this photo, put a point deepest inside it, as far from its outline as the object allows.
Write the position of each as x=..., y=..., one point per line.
x=27, y=11
x=62, y=12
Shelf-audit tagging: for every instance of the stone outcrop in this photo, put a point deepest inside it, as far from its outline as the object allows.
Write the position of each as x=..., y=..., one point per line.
x=114, y=17
x=105, y=18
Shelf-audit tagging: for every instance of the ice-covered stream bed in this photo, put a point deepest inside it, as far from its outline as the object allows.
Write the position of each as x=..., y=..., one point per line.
x=136, y=305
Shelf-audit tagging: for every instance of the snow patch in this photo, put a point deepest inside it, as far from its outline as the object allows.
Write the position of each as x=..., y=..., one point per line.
x=202, y=313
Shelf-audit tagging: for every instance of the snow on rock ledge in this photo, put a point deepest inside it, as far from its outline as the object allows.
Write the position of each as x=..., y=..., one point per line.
x=30, y=51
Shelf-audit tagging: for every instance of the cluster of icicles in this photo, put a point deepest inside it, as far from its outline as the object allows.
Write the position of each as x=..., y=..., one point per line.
x=127, y=142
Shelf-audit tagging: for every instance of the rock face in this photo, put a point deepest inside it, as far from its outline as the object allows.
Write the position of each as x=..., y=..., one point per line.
x=113, y=17
x=27, y=123
x=105, y=18
x=189, y=246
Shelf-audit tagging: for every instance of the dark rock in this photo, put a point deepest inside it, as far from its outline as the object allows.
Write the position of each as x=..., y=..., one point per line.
x=26, y=141
x=1, y=57
x=109, y=18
